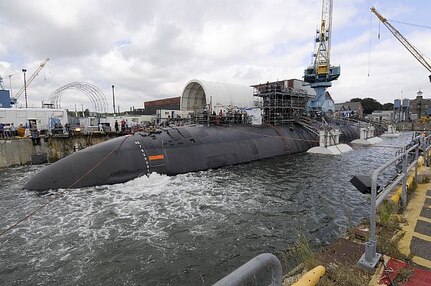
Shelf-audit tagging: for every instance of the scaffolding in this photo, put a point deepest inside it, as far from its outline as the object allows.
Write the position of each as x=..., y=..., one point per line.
x=281, y=104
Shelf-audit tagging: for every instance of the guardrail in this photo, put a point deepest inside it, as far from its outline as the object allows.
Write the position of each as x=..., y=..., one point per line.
x=251, y=268
x=370, y=258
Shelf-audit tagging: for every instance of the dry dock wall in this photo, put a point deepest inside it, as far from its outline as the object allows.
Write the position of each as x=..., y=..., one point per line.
x=60, y=147
x=19, y=151
x=413, y=126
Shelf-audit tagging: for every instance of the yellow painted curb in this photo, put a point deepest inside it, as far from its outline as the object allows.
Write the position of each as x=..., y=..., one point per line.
x=422, y=236
x=421, y=161
x=424, y=219
x=422, y=261
x=396, y=197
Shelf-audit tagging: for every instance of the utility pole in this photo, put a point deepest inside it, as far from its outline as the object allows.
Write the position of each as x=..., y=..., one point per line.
x=25, y=88
x=113, y=98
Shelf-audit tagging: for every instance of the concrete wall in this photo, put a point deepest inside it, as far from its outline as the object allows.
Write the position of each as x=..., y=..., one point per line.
x=413, y=126
x=60, y=147
x=18, y=152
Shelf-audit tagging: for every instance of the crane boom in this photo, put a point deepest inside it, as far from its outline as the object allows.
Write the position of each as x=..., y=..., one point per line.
x=323, y=39
x=33, y=76
x=412, y=49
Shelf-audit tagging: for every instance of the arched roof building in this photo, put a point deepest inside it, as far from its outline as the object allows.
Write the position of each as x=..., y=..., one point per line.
x=198, y=94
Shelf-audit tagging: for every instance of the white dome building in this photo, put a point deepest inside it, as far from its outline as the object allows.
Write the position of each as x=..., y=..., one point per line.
x=199, y=95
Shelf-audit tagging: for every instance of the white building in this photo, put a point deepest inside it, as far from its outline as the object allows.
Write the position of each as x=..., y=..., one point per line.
x=381, y=115
x=200, y=95
x=42, y=117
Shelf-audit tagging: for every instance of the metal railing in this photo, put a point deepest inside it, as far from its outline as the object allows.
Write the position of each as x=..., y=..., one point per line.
x=370, y=258
x=251, y=268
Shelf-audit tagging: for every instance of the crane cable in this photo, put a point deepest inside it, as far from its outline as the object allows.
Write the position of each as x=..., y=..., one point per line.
x=399, y=22
x=61, y=194
x=378, y=36
x=409, y=24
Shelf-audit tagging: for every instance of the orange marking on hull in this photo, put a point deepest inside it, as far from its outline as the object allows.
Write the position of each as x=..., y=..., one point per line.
x=157, y=157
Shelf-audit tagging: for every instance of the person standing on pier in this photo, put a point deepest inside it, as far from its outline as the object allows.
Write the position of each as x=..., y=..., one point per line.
x=116, y=126
x=12, y=130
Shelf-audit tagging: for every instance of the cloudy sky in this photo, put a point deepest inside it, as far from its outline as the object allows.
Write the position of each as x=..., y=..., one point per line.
x=151, y=49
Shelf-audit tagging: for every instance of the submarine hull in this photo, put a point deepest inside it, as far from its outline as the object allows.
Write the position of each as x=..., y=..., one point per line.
x=174, y=151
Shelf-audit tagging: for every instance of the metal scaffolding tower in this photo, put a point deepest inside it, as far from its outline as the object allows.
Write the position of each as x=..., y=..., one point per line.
x=281, y=104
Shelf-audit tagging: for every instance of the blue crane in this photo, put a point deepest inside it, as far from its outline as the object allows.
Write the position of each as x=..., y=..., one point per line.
x=320, y=74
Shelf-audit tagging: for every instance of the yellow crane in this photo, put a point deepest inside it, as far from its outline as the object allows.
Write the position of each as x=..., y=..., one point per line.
x=31, y=78
x=412, y=49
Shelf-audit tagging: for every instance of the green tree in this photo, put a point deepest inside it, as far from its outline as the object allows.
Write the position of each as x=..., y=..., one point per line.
x=356, y=99
x=388, y=106
x=370, y=104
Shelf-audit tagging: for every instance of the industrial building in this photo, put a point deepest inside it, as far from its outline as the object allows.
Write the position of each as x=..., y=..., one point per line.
x=4, y=98
x=349, y=109
x=151, y=107
x=420, y=106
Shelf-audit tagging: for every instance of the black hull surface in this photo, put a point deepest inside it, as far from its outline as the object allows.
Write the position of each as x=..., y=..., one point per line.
x=175, y=151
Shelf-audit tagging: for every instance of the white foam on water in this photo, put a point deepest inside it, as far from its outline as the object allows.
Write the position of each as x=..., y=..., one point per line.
x=145, y=208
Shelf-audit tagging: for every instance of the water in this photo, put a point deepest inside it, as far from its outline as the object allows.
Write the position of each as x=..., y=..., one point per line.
x=189, y=229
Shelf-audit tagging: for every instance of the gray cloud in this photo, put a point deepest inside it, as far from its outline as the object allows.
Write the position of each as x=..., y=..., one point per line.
x=150, y=49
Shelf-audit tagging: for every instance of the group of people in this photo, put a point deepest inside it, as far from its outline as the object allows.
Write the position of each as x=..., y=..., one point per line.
x=231, y=117
x=124, y=127
x=9, y=130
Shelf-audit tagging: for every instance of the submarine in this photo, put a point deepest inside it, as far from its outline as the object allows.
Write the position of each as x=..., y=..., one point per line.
x=175, y=150
x=208, y=142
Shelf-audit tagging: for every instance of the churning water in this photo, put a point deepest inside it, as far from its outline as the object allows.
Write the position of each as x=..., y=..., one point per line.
x=190, y=229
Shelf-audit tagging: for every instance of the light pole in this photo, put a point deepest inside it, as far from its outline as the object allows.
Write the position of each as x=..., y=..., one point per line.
x=113, y=99
x=25, y=88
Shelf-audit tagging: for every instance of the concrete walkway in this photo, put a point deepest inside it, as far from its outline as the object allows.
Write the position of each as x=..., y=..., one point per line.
x=416, y=242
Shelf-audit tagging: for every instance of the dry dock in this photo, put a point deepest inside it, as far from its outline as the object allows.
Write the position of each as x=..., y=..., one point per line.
x=22, y=150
